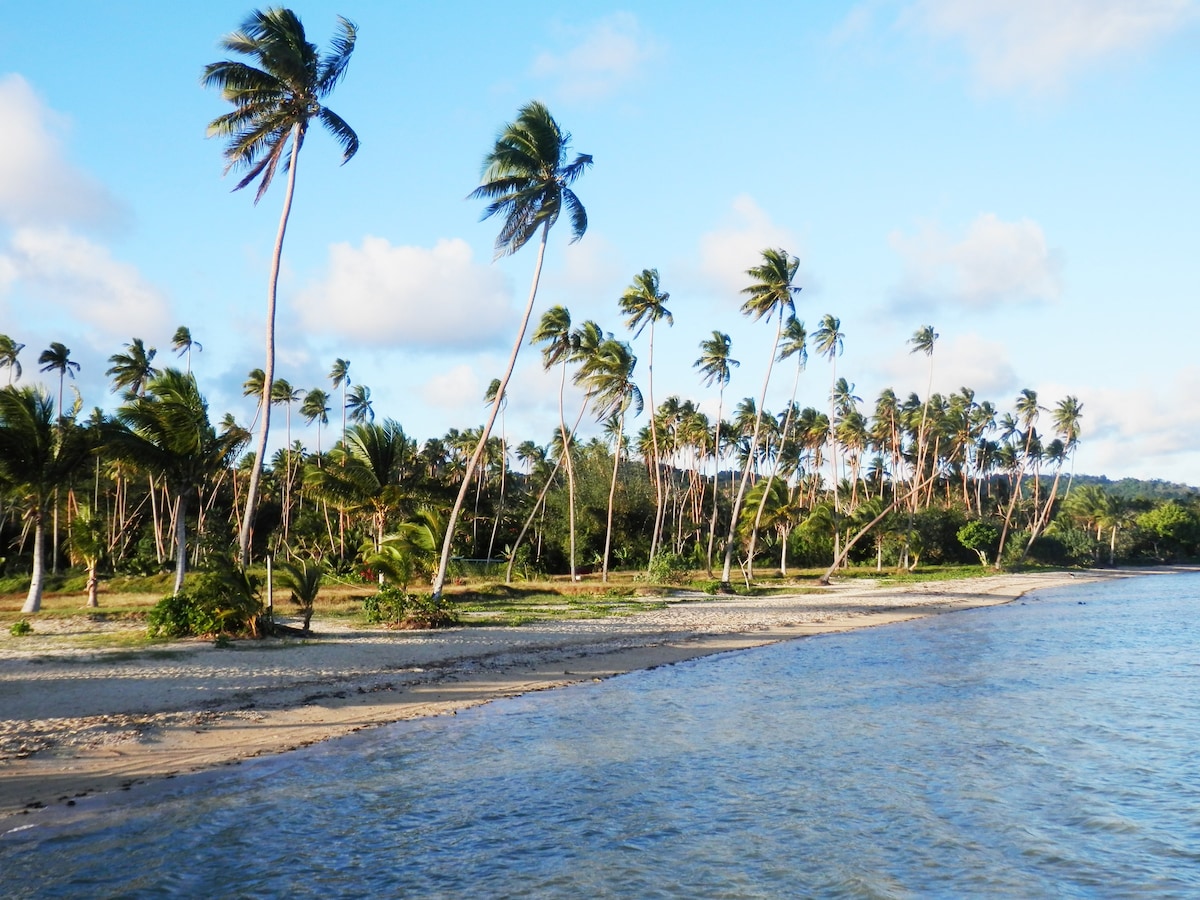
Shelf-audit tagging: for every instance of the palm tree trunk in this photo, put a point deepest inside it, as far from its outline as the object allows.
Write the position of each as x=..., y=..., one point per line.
x=712, y=525
x=737, y=503
x=37, y=580
x=562, y=424
x=180, y=540
x=269, y=368
x=655, y=535
x=612, y=494
x=439, y=581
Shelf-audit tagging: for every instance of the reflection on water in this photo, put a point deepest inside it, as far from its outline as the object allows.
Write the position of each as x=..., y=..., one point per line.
x=1044, y=748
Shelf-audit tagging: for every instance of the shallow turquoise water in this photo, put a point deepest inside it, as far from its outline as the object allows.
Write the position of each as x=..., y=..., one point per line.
x=1041, y=749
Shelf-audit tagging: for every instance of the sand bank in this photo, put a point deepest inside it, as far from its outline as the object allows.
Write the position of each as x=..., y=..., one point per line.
x=73, y=723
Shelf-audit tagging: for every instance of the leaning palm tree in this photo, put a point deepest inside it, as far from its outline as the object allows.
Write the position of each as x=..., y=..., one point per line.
x=184, y=344
x=644, y=304
x=714, y=365
x=608, y=375
x=275, y=97
x=9, y=351
x=527, y=179
x=38, y=454
x=772, y=293
x=132, y=369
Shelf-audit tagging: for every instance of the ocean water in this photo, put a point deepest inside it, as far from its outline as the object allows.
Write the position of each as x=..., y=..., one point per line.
x=1047, y=748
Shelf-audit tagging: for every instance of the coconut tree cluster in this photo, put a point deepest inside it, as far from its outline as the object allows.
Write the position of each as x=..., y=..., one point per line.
x=892, y=480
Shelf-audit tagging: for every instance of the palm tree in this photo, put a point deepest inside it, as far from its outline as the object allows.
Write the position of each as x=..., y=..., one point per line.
x=771, y=294
x=608, y=374
x=644, y=304
x=274, y=102
x=167, y=432
x=714, y=365
x=828, y=340
x=184, y=344
x=358, y=405
x=38, y=454
x=9, y=350
x=315, y=408
x=132, y=369
x=339, y=374
x=527, y=179
x=57, y=358
x=922, y=341
x=559, y=345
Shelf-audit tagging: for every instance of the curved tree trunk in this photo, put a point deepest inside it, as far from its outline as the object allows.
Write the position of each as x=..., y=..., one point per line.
x=181, y=540
x=269, y=368
x=439, y=581
x=612, y=493
x=712, y=525
x=659, y=505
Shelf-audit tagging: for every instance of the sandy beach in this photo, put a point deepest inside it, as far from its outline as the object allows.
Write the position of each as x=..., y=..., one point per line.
x=78, y=722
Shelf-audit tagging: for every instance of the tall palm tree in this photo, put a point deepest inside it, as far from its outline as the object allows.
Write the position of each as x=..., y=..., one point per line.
x=275, y=98
x=772, y=293
x=608, y=375
x=315, y=408
x=527, y=181
x=38, y=454
x=57, y=358
x=132, y=369
x=715, y=365
x=642, y=304
x=339, y=374
x=559, y=344
x=358, y=405
x=167, y=432
x=922, y=341
x=184, y=343
x=9, y=351
x=828, y=341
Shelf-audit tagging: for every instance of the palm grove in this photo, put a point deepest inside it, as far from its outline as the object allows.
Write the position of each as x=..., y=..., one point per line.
x=157, y=483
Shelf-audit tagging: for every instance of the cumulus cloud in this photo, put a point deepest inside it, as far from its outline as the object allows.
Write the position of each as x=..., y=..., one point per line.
x=37, y=184
x=1038, y=45
x=424, y=298
x=726, y=254
x=82, y=280
x=994, y=263
x=962, y=361
x=601, y=58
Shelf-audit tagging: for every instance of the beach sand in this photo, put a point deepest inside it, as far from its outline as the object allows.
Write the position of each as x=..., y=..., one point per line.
x=75, y=722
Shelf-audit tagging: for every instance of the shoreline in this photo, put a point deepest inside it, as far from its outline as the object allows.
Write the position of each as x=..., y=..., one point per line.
x=78, y=723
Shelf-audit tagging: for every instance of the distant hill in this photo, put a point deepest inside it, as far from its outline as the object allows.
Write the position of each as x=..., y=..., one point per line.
x=1133, y=488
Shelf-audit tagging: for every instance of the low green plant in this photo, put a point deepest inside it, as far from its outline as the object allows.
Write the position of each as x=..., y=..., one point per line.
x=215, y=603
x=20, y=628
x=400, y=609
x=666, y=568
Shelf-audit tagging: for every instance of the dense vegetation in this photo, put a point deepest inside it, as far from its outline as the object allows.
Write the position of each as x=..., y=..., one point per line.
x=156, y=484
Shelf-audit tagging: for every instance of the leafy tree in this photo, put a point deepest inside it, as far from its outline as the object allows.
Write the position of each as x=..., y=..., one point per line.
x=642, y=304
x=274, y=102
x=527, y=181
x=771, y=294
x=715, y=365
x=132, y=369
x=184, y=344
x=9, y=351
x=167, y=432
x=38, y=455
x=980, y=536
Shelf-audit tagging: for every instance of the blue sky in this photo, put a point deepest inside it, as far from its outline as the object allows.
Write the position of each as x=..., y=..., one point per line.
x=1021, y=174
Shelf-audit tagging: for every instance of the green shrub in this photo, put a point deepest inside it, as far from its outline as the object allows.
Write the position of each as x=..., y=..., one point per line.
x=399, y=609
x=667, y=568
x=213, y=604
x=20, y=628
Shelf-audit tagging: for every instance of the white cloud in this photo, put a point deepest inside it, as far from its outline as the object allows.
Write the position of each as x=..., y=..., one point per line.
x=37, y=185
x=81, y=279
x=602, y=57
x=1039, y=44
x=994, y=263
x=962, y=361
x=726, y=254
x=424, y=298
